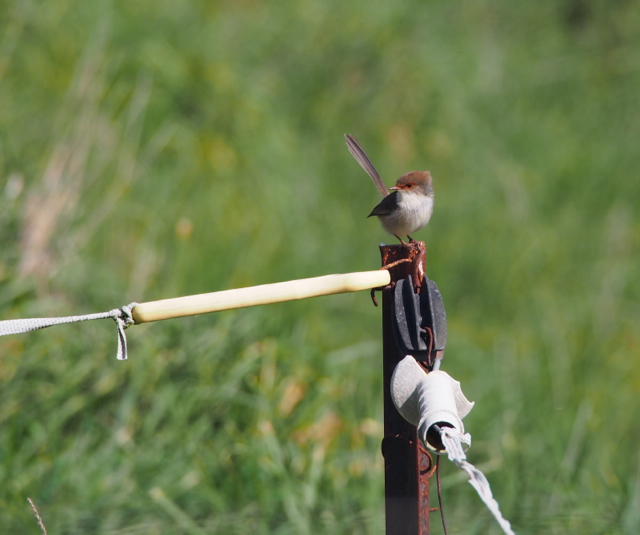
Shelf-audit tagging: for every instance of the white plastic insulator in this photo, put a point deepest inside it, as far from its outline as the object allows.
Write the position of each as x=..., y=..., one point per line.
x=427, y=399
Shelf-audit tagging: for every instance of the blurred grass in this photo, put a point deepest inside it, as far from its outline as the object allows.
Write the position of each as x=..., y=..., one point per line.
x=155, y=149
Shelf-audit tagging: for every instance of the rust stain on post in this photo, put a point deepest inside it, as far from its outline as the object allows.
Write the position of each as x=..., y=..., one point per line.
x=405, y=260
x=407, y=465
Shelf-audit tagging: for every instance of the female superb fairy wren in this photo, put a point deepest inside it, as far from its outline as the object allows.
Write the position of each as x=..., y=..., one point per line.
x=409, y=204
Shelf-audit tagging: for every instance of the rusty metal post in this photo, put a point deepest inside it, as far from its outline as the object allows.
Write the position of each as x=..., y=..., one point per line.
x=407, y=465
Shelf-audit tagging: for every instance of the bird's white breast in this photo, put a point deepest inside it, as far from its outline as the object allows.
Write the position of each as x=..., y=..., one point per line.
x=413, y=212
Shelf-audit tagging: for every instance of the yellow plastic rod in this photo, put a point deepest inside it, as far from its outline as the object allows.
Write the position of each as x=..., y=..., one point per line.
x=259, y=295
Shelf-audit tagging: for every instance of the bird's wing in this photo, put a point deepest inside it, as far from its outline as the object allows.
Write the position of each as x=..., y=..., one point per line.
x=386, y=205
x=361, y=157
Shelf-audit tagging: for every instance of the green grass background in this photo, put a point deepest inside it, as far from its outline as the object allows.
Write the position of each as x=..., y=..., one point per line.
x=153, y=149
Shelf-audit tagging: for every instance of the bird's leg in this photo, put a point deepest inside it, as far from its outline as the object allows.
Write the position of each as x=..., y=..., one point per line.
x=411, y=240
x=401, y=240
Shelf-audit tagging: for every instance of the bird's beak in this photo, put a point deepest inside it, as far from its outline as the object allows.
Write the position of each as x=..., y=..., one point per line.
x=395, y=188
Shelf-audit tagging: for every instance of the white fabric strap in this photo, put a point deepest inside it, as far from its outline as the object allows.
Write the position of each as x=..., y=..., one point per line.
x=122, y=317
x=453, y=442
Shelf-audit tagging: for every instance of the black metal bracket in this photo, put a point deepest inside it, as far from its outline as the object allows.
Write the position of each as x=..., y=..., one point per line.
x=420, y=322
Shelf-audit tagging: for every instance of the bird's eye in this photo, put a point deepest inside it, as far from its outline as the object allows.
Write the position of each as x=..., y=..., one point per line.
x=410, y=185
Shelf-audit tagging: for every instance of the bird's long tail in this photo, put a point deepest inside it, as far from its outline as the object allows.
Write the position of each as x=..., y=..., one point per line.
x=361, y=157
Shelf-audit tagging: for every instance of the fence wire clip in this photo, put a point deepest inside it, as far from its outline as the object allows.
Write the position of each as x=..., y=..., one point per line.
x=420, y=320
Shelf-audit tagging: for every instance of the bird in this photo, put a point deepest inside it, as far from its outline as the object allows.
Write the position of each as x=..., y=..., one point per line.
x=408, y=206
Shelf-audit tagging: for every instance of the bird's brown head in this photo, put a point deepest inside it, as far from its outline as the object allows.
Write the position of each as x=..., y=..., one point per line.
x=416, y=182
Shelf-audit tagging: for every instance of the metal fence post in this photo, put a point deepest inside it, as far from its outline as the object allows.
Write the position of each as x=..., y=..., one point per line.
x=407, y=465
